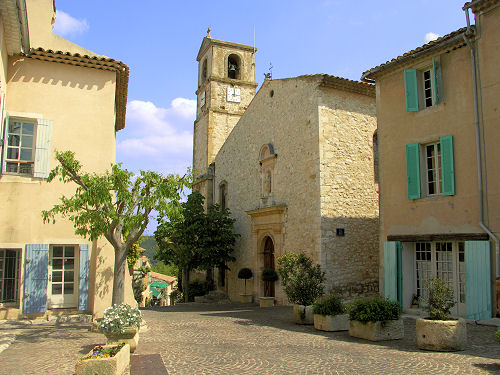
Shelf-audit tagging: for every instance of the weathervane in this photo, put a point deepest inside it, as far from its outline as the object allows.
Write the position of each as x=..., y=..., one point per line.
x=270, y=74
x=208, y=33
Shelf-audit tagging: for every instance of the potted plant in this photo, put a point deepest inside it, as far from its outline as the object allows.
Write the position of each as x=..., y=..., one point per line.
x=245, y=274
x=303, y=283
x=112, y=360
x=375, y=319
x=268, y=276
x=121, y=324
x=438, y=331
x=329, y=314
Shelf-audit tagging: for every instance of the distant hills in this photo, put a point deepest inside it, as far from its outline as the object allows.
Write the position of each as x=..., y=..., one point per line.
x=149, y=244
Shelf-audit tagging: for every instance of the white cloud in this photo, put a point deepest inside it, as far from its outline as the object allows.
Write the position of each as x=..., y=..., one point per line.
x=157, y=138
x=66, y=25
x=429, y=37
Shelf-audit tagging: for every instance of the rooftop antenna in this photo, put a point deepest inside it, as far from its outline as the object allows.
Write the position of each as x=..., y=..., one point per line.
x=254, y=39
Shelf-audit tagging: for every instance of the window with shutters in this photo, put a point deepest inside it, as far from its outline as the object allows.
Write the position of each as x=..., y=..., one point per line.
x=432, y=155
x=422, y=86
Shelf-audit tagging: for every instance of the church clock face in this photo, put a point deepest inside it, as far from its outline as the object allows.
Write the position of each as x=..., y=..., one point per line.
x=233, y=95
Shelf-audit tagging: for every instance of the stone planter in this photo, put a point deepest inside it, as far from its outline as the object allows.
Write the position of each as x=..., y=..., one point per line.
x=376, y=331
x=246, y=298
x=441, y=335
x=331, y=323
x=266, y=301
x=130, y=337
x=303, y=314
x=105, y=366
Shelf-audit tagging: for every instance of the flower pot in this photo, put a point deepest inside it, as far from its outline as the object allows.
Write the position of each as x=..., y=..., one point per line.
x=331, y=323
x=377, y=331
x=441, y=335
x=130, y=337
x=303, y=314
x=246, y=298
x=105, y=366
x=266, y=301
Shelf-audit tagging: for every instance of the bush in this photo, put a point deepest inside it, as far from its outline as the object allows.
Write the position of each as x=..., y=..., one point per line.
x=245, y=273
x=440, y=301
x=268, y=274
x=197, y=288
x=498, y=335
x=331, y=305
x=302, y=281
x=118, y=317
x=374, y=309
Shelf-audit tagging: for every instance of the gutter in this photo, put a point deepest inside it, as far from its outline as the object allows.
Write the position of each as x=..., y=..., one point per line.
x=469, y=34
x=23, y=20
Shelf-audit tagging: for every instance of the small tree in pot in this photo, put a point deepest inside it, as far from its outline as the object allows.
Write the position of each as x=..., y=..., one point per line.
x=303, y=284
x=439, y=332
x=329, y=314
x=269, y=276
x=245, y=274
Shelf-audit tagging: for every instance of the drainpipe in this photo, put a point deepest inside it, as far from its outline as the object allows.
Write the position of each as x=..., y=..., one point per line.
x=467, y=35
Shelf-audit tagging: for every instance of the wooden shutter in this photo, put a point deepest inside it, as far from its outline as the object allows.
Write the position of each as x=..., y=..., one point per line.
x=477, y=280
x=447, y=168
x=413, y=170
x=42, y=150
x=411, y=90
x=36, y=264
x=4, y=143
x=436, y=72
x=392, y=271
x=83, y=279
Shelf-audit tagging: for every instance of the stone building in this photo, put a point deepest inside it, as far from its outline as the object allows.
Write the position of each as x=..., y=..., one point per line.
x=295, y=165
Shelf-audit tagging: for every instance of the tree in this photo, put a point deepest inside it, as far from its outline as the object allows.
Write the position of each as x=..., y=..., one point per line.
x=192, y=239
x=116, y=205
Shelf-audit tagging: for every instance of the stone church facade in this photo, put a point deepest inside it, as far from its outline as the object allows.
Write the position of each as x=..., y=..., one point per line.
x=294, y=163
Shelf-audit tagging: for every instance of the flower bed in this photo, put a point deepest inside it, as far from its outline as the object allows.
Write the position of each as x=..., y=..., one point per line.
x=104, y=360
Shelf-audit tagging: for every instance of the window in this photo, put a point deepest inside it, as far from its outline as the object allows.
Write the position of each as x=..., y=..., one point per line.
x=9, y=275
x=422, y=87
x=26, y=147
x=233, y=66
x=223, y=195
x=436, y=167
x=204, y=71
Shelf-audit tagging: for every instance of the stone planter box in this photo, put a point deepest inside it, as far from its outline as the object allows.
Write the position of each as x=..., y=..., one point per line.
x=441, y=335
x=331, y=323
x=105, y=366
x=303, y=314
x=246, y=298
x=266, y=301
x=374, y=331
x=130, y=337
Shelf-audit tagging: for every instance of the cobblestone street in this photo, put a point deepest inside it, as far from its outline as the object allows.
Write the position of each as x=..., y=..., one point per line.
x=200, y=339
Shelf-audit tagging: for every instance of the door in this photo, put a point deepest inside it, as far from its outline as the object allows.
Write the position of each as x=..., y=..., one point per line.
x=62, y=290
x=269, y=263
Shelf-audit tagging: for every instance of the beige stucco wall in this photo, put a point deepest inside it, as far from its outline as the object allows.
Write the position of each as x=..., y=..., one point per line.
x=349, y=194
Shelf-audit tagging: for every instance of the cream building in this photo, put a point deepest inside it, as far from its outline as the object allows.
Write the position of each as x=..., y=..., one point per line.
x=437, y=111
x=54, y=95
x=295, y=165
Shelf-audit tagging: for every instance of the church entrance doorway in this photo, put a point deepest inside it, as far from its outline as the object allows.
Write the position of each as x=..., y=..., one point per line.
x=268, y=263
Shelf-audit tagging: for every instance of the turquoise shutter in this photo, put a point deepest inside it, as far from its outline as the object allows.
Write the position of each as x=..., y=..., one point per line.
x=411, y=90
x=4, y=142
x=83, y=279
x=42, y=150
x=436, y=73
x=477, y=280
x=392, y=271
x=447, y=168
x=36, y=264
x=413, y=170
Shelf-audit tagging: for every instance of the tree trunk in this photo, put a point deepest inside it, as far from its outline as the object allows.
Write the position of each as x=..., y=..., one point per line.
x=185, y=284
x=119, y=276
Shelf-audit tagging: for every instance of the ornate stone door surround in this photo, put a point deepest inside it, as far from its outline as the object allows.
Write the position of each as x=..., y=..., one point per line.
x=267, y=222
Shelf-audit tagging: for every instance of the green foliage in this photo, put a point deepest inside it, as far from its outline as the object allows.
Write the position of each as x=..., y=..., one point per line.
x=331, y=305
x=133, y=255
x=374, y=309
x=268, y=274
x=245, y=273
x=498, y=335
x=118, y=317
x=148, y=243
x=197, y=288
x=440, y=301
x=165, y=269
x=302, y=281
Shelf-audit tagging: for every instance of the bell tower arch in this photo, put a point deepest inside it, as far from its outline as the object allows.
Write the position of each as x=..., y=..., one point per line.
x=226, y=86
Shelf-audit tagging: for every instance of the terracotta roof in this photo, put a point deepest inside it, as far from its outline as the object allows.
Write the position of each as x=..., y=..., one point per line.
x=480, y=5
x=452, y=40
x=94, y=62
x=169, y=279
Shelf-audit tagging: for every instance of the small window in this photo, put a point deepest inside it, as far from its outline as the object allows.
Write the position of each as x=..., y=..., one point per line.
x=9, y=275
x=427, y=88
x=421, y=86
x=223, y=195
x=20, y=156
x=204, y=71
x=233, y=67
x=433, y=168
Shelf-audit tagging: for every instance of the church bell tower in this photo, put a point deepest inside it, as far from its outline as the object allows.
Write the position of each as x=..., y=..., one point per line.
x=226, y=86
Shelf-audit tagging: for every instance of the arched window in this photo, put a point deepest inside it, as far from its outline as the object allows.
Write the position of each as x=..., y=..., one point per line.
x=233, y=66
x=267, y=159
x=223, y=195
x=204, y=71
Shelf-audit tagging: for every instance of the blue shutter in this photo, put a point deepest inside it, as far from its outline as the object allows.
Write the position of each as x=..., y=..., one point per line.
x=83, y=279
x=4, y=143
x=411, y=90
x=35, y=278
x=392, y=271
x=447, y=168
x=42, y=150
x=436, y=73
x=413, y=170
x=477, y=280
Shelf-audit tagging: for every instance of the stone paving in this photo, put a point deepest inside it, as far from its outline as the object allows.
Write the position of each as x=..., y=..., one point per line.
x=198, y=339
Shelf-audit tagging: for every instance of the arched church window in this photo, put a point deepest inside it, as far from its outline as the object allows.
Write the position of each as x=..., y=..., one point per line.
x=233, y=66
x=204, y=71
x=267, y=159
